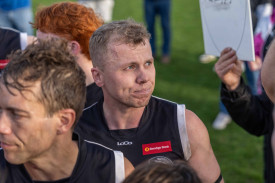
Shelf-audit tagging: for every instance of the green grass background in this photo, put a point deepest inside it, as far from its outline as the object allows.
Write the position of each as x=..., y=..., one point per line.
x=187, y=81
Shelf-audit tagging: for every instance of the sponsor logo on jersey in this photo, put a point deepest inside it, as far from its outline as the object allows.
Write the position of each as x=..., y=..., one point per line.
x=125, y=143
x=158, y=147
x=3, y=63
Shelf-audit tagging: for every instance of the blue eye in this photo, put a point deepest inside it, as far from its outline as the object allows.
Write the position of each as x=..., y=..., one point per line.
x=148, y=63
x=131, y=67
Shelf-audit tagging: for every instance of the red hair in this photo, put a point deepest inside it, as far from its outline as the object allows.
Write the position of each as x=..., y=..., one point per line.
x=69, y=20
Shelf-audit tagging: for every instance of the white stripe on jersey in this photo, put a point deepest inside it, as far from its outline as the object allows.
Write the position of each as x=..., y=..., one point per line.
x=120, y=169
x=90, y=106
x=183, y=131
x=119, y=162
x=164, y=99
x=91, y=142
x=23, y=40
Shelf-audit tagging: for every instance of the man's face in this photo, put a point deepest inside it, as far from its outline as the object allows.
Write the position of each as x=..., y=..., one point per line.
x=129, y=75
x=26, y=133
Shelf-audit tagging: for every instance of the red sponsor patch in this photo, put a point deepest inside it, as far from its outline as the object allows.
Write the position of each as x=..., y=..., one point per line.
x=158, y=147
x=3, y=63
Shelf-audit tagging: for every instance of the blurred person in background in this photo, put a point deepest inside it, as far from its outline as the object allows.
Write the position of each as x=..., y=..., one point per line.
x=76, y=23
x=251, y=112
x=104, y=8
x=153, y=8
x=16, y=14
x=261, y=13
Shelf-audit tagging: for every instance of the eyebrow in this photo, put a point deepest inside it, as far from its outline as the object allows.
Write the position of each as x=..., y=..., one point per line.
x=130, y=63
x=26, y=113
x=136, y=62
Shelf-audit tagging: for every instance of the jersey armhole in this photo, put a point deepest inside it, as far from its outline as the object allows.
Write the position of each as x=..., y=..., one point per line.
x=183, y=131
x=119, y=167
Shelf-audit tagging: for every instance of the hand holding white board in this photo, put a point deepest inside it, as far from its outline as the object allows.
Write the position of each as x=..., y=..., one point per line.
x=227, y=23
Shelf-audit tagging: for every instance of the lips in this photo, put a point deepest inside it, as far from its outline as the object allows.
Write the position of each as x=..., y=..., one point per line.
x=5, y=145
x=143, y=92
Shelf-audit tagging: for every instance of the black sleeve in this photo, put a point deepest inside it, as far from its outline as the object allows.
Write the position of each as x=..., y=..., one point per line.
x=252, y=112
x=3, y=167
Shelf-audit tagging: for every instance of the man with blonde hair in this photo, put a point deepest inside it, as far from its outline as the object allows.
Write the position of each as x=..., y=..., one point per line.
x=129, y=118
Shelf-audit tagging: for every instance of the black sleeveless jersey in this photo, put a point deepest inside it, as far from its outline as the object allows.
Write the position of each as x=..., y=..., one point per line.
x=93, y=94
x=9, y=42
x=95, y=164
x=160, y=136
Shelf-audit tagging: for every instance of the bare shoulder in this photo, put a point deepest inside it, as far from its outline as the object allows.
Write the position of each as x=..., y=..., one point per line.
x=197, y=132
x=202, y=159
x=128, y=167
x=195, y=125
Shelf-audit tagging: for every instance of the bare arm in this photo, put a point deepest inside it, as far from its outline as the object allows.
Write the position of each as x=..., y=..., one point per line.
x=267, y=73
x=273, y=137
x=128, y=167
x=203, y=159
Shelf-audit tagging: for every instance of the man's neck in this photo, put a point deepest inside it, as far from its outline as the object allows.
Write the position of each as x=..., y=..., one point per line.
x=122, y=117
x=58, y=163
x=86, y=65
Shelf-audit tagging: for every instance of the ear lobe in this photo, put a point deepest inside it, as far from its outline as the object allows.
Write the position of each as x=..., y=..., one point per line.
x=67, y=120
x=98, y=76
x=75, y=47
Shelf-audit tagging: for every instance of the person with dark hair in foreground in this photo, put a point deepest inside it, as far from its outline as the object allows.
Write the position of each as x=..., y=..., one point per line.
x=42, y=93
x=156, y=172
x=129, y=118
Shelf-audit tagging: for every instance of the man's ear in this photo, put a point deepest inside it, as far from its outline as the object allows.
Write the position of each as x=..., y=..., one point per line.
x=75, y=47
x=66, y=120
x=98, y=76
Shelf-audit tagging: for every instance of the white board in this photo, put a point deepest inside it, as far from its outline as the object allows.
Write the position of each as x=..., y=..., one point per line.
x=227, y=23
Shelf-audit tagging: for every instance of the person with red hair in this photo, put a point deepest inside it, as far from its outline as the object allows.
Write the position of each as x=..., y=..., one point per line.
x=75, y=23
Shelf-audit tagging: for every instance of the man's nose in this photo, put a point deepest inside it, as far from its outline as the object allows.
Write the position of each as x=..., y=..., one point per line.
x=142, y=76
x=4, y=124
